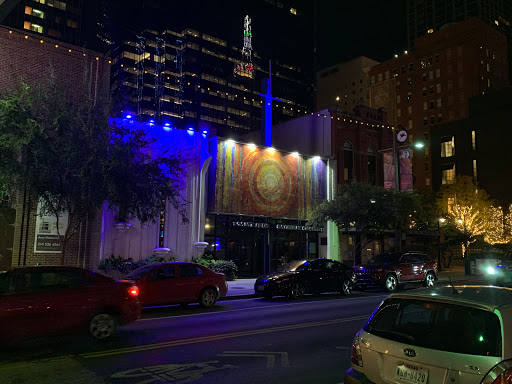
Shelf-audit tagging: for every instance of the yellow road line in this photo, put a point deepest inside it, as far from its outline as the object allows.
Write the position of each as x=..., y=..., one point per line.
x=216, y=337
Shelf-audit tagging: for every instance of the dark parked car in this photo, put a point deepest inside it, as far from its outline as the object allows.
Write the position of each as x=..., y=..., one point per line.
x=306, y=276
x=40, y=301
x=391, y=270
x=178, y=283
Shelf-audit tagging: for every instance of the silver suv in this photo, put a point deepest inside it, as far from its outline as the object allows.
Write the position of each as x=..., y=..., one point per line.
x=442, y=335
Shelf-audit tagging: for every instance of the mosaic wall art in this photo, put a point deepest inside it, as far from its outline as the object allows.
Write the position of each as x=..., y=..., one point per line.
x=258, y=181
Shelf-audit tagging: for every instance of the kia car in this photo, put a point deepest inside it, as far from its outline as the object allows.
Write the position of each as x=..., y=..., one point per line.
x=394, y=269
x=441, y=335
x=306, y=276
x=178, y=283
x=47, y=300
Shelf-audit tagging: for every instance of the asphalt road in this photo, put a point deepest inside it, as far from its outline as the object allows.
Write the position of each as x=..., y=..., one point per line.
x=237, y=342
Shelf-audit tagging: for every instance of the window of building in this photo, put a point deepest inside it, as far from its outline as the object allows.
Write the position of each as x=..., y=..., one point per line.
x=473, y=140
x=293, y=11
x=57, y=4
x=448, y=174
x=439, y=117
x=33, y=27
x=424, y=77
x=402, y=69
x=475, y=172
x=430, y=61
x=372, y=166
x=432, y=104
x=409, y=82
x=398, y=99
x=34, y=12
x=448, y=146
x=439, y=103
x=409, y=110
x=424, y=93
x=411, y=67
x=450, y=85
x=461, y=82
x=395, y=72
x=398, y=112
x=431, y=75
x=438, y=87
x=372, y=80
x=379, y=77
x=386, y=75
x=425, y=121
x=397, y=85
x=348, y=161
x=425, y=106
x=432, y=120
x=488, y=83
x=409, y=96
x=438, y=73
x=431, y=89
x=437, y=58
x=423, y=63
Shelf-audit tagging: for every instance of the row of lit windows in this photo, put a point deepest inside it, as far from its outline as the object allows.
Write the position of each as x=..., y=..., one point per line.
x=53, y=3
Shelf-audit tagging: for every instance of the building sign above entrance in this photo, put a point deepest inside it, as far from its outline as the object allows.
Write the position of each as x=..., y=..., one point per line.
x=298, y=228
x=249, y=224
x=286, y=227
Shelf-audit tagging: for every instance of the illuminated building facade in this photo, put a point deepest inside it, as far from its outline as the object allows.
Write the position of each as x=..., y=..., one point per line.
x=432, y=84
x=70, y=21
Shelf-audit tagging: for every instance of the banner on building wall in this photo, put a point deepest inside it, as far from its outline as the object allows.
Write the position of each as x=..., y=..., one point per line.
x=389, y=170
x=405, y=170
x=46, y=235
x=259, y=181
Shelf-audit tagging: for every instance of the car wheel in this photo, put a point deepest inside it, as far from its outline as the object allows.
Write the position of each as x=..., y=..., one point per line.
x=102, y=326
x=207, y=298
x=297, y=291
x=391, y=283
x=346, y=287
x=429, y=280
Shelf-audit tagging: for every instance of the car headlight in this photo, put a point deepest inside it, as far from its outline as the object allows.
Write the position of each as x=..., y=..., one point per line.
x=491, y=270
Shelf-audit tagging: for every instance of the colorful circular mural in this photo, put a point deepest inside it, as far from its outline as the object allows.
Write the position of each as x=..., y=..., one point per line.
x=270, y=184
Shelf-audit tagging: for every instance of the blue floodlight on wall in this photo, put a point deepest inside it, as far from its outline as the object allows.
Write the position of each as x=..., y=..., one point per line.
x=128, y=116
x=152, y=121
x=205, y=132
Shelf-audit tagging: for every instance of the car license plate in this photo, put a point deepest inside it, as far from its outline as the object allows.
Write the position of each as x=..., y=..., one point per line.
x=261, y=287
x=411, y=374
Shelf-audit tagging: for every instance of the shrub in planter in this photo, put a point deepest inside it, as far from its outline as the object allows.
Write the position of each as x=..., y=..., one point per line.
x=227, y=267
x=126, y=265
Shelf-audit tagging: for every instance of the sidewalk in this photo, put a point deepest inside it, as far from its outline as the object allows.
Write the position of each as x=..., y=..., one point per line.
x=244, y=288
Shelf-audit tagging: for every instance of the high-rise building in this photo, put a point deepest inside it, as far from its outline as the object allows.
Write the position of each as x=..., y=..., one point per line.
x=344, y=85
x=69, y=21
x=210, y=75
x=427, y=16
x=432, y=84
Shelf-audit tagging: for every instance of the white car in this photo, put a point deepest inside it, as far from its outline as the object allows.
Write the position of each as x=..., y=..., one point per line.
x=441, y=335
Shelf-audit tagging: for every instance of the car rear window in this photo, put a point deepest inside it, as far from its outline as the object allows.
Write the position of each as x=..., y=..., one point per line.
x=437, y=325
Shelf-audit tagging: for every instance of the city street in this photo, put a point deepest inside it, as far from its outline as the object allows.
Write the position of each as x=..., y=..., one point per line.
x=239, y=341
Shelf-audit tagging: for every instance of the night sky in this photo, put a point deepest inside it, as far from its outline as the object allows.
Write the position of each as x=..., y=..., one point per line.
x=352, y=28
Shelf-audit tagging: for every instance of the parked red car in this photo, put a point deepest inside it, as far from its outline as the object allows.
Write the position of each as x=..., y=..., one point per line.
x=39, y=301
x=178, y=283
x=390, y=270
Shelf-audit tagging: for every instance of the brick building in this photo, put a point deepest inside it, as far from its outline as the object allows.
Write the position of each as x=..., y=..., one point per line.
x=432, y=84
x=344, y=85
x=31, y=57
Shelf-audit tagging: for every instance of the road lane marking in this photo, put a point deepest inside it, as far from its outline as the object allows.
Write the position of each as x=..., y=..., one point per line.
x=271, y=356
x=203, y=339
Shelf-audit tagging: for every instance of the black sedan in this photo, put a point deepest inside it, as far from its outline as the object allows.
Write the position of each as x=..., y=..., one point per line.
x=306, y=276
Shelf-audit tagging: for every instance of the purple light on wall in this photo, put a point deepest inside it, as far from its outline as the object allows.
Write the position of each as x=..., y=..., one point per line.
x=128, y=116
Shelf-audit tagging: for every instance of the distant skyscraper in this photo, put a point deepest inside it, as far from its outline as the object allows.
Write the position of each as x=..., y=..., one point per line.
x=195, y=64
x=427, y=16
x=69, y=21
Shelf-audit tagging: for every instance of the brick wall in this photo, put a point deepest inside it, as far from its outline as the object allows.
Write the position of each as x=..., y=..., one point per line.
x=30, y=57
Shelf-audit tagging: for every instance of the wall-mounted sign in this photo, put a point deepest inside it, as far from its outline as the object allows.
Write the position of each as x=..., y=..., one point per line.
x=299, y=228
x=249, y=224
x=47, y=234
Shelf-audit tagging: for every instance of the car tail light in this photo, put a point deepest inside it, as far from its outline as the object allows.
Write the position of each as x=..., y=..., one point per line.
x=501, y=373
x=133, y=291
x=357, y=357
